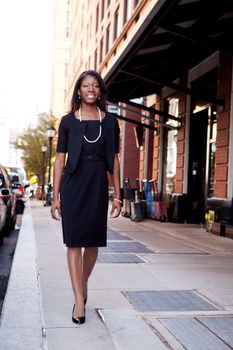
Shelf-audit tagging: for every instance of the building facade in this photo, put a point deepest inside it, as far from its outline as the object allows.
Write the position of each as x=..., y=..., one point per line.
x=60, y=58
x=167, y=65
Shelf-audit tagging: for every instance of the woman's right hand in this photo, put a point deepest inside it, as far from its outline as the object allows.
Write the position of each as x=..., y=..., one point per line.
x=56, y=209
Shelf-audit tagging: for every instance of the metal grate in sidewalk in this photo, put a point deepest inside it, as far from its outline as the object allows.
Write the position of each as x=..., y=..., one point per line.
x=113, y=236
x=119, y=258
x=193, y=335
x=129, y=247
x=222, y=326
x=169, y=300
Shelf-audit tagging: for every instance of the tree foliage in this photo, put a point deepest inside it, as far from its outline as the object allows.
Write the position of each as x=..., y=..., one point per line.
x=30, y=142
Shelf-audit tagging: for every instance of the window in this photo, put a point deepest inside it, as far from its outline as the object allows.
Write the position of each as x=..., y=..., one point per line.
x=67, y=17
x=116, y=24
x=127, y=10
x=101, y=51
x=82, y=11
x=95, y=63
x=66, y=69
x=103, y=9
x=87, y=31
x=81, y=51
x=97, y=18
x=171, y=150
x=107, y=39
x=212, y=151
x=90, y=27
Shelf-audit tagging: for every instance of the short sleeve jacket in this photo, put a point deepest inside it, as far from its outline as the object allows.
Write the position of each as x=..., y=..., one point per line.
x=71, y=135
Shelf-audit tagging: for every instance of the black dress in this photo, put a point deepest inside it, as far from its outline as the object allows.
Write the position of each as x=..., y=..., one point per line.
x=84, y=193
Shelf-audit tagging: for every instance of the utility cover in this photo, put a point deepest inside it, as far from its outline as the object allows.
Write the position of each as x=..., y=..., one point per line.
x=119, y=258
x=169, y=300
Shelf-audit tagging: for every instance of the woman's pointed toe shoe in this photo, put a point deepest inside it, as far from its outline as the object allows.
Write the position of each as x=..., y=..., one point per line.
x=78, y=320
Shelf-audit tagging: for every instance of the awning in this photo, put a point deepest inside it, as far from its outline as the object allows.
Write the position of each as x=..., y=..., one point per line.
x=176, y=36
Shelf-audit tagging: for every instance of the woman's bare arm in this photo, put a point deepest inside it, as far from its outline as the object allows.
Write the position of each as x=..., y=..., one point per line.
x=57, y=175
x=116, y=204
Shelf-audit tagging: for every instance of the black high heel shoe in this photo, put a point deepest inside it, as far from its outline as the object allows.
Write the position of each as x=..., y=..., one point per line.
x=85, y=301
x=78, y=320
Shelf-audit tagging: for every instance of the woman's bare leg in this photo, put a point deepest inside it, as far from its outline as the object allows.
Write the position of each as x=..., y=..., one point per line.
x=89, y=259
x=75, y=264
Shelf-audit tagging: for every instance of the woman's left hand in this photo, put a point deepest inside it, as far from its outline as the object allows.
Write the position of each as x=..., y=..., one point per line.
x=116, y=209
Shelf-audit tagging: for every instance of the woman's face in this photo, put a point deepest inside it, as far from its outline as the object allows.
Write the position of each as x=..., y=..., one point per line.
x=89, y=90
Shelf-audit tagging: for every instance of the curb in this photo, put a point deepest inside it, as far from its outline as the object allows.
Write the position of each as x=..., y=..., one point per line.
x=21, y=312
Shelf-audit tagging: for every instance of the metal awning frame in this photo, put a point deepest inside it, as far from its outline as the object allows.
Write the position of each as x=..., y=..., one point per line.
x=142, y=116
x=168, y=24
x=178, y=87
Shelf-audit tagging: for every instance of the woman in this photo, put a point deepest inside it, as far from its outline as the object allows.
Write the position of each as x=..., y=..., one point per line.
x=90, y=137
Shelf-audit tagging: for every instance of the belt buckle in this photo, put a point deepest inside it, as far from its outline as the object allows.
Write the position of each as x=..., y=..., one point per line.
x=93, y=156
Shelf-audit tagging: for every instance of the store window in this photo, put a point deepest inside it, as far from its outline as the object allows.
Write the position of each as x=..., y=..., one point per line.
x=212, y=152
x=171, y=147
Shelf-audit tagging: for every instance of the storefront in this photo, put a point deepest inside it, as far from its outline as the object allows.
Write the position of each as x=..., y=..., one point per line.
x=180, y=64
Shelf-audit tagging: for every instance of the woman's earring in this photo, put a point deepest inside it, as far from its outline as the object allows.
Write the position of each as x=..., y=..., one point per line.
x=79, y=97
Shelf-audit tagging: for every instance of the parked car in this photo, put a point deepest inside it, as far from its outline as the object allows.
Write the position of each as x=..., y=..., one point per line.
x=8, y=196
x=18, y=187
x=3, y=213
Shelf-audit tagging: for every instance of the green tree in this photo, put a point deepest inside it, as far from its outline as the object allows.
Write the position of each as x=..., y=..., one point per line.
x=30, y=142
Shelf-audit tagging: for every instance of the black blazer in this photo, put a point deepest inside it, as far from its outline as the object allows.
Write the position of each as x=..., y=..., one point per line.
x=71, y=135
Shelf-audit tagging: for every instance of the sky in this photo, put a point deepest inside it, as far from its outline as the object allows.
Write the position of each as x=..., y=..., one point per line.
x=26, y=44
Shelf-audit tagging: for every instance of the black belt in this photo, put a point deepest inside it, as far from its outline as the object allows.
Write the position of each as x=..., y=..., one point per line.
x=91, y=157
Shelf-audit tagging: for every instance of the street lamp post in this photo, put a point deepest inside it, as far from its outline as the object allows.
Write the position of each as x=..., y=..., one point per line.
x=44, y=150
x=50, y=134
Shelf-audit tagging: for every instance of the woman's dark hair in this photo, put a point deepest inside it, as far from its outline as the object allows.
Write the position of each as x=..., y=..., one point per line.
x=76, y=101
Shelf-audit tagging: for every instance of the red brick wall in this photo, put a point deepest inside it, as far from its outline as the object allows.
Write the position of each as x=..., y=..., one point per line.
x=156, y=143
x=223, y=123
x=131, y=160
x=150, y=154
x=142, y=174
x=141, y=164
x=179, y=178
x=131, y=155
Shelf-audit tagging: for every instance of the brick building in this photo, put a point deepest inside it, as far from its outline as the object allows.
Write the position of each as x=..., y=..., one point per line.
x=167, y=65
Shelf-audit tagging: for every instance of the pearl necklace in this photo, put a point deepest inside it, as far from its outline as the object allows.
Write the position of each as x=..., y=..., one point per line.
x=100, y=132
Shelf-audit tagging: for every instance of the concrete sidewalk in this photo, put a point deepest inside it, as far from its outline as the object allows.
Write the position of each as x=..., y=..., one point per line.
x=156, y=286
